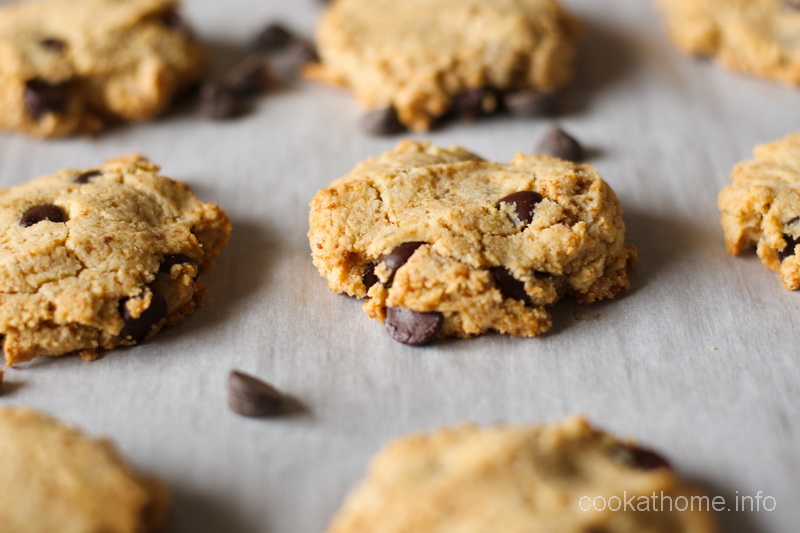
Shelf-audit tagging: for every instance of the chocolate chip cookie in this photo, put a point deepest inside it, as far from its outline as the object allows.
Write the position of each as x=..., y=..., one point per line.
x=566, y=477
x=443, y=243
x=56, y=479
x=70, y=67
x=759, y=37
x=761, y=208
x=95, y=258
x=424, y=59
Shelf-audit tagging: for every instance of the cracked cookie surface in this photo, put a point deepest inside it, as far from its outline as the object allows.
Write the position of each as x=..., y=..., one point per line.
x=443, y=243
x=758, y=37
x=417, y=56
x=56, y=479
x=515, y=479
x=70, y=67
x=92, y=259
x=761, y=207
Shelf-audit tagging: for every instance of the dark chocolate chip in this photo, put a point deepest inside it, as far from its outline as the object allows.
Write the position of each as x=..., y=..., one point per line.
x=791, y=244
x=398, y=257
x=248, y=78
x=87, y=176
x=530, y=103
x=171, y=260
x=250, y=396
x=219, y=102
x=524, y=203
x=173, y=21
x=473, y=103
x=369, y=277
x=641, y=458
x=41, y=97
x=273, y=38
x=509, y=286
x=138, y=328
x=411, y=327
x=559, y=144
x=792, y=5
x=56, y=45
x=382, y=122
x=36, y=214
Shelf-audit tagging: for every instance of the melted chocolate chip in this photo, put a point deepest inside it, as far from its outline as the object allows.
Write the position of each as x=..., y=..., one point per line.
x=530, y=103
x=559, y=144
x=382, y=122
x=791, y=5
x=248, y=78
x=87, y=176
x=398, y=257
x=250, y=396
x=273, y=38
x=171, y=260
x=56, y=45
x=411, y=327
x=473, y=103
x=138, y=328
x=791, y=244
x=509, y=286
x=369, y=277
x=219, y=102
x=36, y=214
x=173, y=21
x=524, y=203
x=641, y=458
x=41, y=97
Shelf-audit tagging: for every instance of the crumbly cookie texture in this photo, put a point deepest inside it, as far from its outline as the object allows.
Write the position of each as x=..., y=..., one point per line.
x=761, y=207
x=467, y=243
x=92, y=259
x=418, y=55
x=55, y=479
x=517, y=480
x=759, y=37
x=71, y=67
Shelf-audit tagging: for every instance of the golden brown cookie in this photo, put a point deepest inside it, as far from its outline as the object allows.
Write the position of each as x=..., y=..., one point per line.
x=761, y=207
x=564, y=477
x=759, y=37
x=443, y=243
x=425, y=58
x=96, y=258
x=54, y=479
x=70, y=67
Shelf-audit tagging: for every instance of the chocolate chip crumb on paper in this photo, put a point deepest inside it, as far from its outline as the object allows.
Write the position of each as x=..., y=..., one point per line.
x=442, y=243
x=101, y=257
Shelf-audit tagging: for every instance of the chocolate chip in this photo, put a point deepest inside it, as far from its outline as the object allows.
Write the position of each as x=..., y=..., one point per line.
x=524, y=203
x=559, y=144
x=382, y=122
x=36, y=214
x=250, y=396
x=171, y=260
x=248, y=78
x=219, y=102
x=86, y=177
x=174, y=22
x=793, y=5
x=273, y=38
x=137, y=328
x=411, y=327
x=641, y=458
x=791, y=244
x=530, y=103
x=369, y=277
x=398, y=257
x=473, y=103
x=510, y=287
x=41, y=97
x=56, y=45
